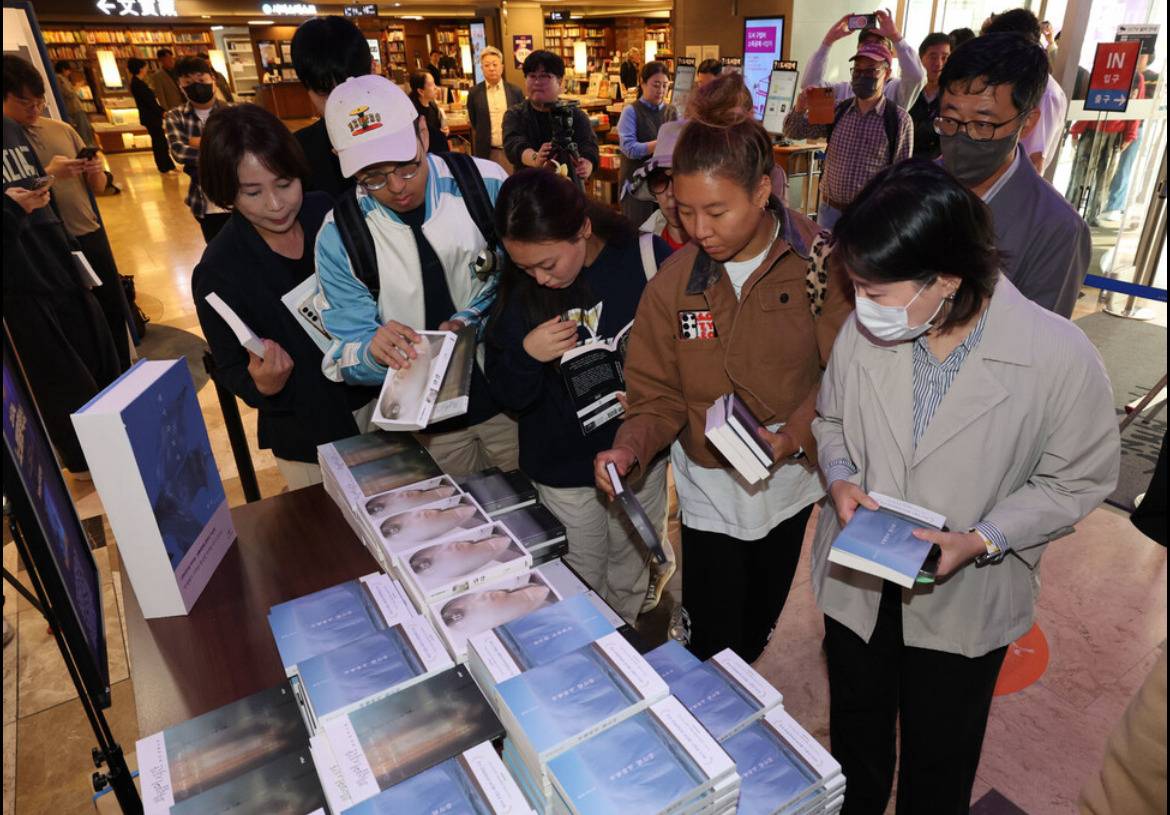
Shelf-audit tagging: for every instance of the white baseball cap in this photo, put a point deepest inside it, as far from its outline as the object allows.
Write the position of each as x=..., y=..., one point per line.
x=370, y=121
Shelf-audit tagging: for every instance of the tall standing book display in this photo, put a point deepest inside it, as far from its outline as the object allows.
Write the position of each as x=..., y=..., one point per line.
x=56, y=553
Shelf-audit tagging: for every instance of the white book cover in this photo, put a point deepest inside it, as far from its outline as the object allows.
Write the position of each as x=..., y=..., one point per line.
x=487, y=606
x=373, y=511
x=748, y=678
x=435, y=571
x=444, y=520
x=151, y=461
x=361, y=467
x=301, y=302
x=408, y=394
x=246, y=336
x=454, y=395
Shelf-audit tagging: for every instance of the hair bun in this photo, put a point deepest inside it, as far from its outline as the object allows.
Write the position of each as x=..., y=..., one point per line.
x=723, y=102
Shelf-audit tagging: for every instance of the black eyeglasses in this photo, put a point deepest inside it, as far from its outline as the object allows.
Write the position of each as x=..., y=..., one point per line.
x=976, y=131
x=378, y=179
x=659, y=181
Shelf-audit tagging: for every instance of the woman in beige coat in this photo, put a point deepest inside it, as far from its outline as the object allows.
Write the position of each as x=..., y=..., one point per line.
x=954, y=392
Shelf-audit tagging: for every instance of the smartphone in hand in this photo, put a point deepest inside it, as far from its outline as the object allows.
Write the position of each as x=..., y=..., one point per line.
x=87, y=153
x=858, y=22
x=35, y=184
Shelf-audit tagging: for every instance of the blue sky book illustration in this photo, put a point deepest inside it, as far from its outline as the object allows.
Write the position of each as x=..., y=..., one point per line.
x=555, y=702
x=322, y=621
x=632, y=768
x=287, y=785
x=770, y=773
x=443, y=789
x=360, y=669
x=424, y=724
x=671, y=660
x=169, y=439
x=548, y=633
x=713, y=699
x=885, y=539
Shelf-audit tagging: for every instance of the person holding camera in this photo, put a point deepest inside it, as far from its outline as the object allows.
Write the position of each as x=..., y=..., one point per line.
x=541, y=130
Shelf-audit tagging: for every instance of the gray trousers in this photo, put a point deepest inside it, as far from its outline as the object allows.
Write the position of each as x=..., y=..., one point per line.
x=602, y=545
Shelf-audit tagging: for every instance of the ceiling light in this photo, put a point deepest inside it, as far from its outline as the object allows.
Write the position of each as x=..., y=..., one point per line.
x=217, y=28
x=259, y=22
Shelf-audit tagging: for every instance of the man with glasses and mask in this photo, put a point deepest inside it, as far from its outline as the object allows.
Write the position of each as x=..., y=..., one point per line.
x=868, y=134
x=528, y=126
x=184, y=128
x=991, y=89
x=402, y=253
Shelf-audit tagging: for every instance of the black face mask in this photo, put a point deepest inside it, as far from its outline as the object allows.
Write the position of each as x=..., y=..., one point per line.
x=200, y=92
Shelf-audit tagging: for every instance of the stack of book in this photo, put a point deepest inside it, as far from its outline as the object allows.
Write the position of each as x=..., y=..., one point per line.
x=553, y=707
x=541, y=532
x=783, y=769
x=735, y=432
x=499, y=492
x=725, y=694
x=660, y=760
x=438, y=570
x=249, y=752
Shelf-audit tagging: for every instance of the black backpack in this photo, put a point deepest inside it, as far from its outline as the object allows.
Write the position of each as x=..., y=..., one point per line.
x=359, y=243
x=889, y=121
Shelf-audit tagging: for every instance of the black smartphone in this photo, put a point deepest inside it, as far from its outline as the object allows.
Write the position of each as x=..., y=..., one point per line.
x=87, y=153
x=857, y=22
x=37, y=183
x=929, y=571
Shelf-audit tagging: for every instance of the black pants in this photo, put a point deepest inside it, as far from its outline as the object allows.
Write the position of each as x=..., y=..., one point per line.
x=942, y=701
x=211, y=223
x=734, y=590
x=110, y=295
x=158, y=144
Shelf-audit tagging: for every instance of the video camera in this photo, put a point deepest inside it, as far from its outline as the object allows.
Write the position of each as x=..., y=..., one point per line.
x=564, y=114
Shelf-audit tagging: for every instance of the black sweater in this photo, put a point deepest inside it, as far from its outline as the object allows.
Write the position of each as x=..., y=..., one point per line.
x=243, y=270
x=553, y=449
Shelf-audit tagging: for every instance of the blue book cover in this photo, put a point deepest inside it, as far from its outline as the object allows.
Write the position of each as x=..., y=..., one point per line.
x=358, y=670
x=557, y=701
x=671, y=660
x=287, y=785
x=548, y=633
x=714, y=699
x=881, y=543
x=322, y=621
x=770, y=772
x=444, y=788
x=632, y=768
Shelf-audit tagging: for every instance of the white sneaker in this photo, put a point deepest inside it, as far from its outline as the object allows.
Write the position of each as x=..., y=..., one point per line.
x=659, y=578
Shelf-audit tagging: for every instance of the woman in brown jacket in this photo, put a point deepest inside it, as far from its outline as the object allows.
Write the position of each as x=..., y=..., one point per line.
x=731, y=312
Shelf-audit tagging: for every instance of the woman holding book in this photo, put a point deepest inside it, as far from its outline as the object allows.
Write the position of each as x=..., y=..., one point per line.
x=731, y=313
x=575, y=273
x=250, y=164
x=954, y=392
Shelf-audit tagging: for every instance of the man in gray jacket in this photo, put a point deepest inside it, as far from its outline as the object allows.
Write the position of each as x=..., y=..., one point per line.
x=991, y=89
x=165, y=83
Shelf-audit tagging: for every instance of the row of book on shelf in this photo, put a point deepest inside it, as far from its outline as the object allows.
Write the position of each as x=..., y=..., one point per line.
x=477, y=673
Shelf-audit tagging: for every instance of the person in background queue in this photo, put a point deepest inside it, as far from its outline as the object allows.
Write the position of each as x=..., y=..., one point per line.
x=730, y=313
x=870, y=133
x=629, y=69
x=184, y=128
x=708, y=69
x=150, y=114
x=165, y=81
x=74, y=109
x=423, y=92
x=528, y=126
x=486, y=105
x=326, y=51
x=426, y=246
x=638, y=129
x=575, y=273
x=934, y=52
x=954, y=392
x=902, y=90
x=990, y=91
x=252, y=166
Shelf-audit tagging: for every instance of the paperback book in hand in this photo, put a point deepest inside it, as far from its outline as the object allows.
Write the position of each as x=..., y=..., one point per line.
x=594, y=375
x=881, y=542
x=409, y=395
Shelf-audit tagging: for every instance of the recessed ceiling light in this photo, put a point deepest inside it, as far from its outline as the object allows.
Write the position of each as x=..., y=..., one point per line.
x=259, y=22
x=217, y=28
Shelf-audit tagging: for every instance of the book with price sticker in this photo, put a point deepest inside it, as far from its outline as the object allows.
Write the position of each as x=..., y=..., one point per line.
x=202, y=753
x=288, y=784
x=725, y=694
x=594, y=375
x=881, y=542
x=659, y=760
x=435, y=571
x=319, y=622
x=367, y=669
x=409, y=395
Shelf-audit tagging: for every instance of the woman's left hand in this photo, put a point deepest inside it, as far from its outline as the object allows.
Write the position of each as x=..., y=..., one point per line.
x=783, y=445
x=958, y=548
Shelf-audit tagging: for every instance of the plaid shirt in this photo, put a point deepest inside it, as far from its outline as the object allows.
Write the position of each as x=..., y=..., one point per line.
x=182, y=124
x=859, y=149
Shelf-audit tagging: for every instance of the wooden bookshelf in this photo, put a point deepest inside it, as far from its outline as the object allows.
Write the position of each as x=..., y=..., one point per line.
x=597, y=35
x=450, y=38
x=396, y=49
x=660, y=32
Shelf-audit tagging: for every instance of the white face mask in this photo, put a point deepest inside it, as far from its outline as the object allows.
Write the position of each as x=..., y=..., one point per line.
x=892, y=323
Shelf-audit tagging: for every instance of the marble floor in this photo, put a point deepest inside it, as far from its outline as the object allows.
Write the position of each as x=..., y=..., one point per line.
x=1102, y=607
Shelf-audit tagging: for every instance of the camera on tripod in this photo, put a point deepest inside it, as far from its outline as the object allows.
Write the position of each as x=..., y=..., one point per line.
x=564, y=114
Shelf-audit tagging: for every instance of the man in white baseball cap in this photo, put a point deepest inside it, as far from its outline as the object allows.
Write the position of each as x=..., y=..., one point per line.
x=411, y=248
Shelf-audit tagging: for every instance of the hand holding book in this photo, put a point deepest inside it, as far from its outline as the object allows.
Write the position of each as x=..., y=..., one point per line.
x=551, y=339
x=783, y=445
x=958, y=548
x=393, y=345
x=623, y=460
x=271, y=370
x=847, y=497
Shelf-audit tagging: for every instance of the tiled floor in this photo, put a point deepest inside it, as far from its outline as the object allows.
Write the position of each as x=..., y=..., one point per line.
x=1102, y=607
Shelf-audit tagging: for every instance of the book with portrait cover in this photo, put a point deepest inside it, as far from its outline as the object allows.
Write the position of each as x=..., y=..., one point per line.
x=151, y=462
x=412, y=496
x=489, y=605
x=365, y=670
x=319, y=622
x=443, y=520
x=659, y=760
x=199, y=754
x=409, y=394
x=287, y=785
x=725, y=694
x=454, y=394
x=360, y=467
x=384, y=743
x=499, y=492
x=435, y=571
x=881, y=542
